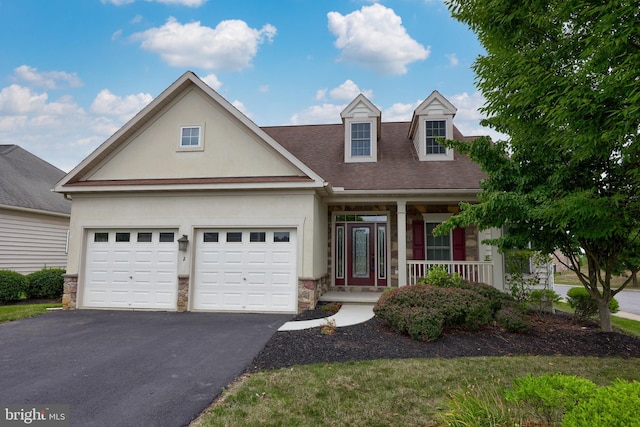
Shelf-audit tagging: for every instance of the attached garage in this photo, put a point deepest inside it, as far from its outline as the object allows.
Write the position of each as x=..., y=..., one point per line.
x=252, y=270
x=131, y=269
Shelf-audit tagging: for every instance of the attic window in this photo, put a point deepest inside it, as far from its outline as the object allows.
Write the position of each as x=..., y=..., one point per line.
x=190, y=136
x=435, y=129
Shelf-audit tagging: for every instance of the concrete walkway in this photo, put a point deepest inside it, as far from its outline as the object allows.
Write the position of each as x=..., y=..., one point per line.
x=630, y=316
x=349, y=314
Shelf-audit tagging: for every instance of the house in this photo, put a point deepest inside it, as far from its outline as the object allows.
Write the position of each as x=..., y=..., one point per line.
x=34, y=221
x=192, y=206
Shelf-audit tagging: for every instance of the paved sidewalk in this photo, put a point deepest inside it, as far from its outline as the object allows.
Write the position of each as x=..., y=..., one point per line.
x=630, y=316
x=349, y=314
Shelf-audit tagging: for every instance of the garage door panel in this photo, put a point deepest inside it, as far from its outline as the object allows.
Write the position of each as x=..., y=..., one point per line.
x=130, y=274
x=250, y=270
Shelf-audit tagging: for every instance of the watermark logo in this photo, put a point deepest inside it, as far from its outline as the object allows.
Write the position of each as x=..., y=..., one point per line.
x=34, y=415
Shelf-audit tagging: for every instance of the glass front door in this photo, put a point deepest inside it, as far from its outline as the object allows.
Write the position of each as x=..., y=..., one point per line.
x=361, y=251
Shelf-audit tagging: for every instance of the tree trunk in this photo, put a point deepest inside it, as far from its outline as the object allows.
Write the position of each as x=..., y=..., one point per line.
x=634, y=279
x=605, y=315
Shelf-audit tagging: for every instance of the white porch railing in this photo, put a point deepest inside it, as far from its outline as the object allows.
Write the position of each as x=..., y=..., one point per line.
x=473, y=271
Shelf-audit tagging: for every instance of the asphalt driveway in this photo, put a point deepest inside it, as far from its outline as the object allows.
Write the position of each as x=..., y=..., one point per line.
x=123, y=368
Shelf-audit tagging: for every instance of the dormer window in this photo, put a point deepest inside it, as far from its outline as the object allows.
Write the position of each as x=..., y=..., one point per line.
x=361, y=131
x=435, y=129
x=432, y=120
x=360, y=139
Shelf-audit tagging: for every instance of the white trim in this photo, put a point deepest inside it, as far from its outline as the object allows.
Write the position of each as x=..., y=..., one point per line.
x=437, y=218
x=188, y=148
x=373, y=141
x=153, y=109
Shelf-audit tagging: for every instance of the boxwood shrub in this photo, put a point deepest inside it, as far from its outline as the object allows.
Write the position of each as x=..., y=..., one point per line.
x=422, y=311
x=585, y=305
x=46, y=283
x=12, y=285
x=612, y=406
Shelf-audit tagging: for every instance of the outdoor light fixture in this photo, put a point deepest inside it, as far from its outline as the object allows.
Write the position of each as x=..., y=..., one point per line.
x=183, y=242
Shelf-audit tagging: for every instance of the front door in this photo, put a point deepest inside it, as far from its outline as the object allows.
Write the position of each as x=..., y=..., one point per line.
x=361, y=252
x=360, y=255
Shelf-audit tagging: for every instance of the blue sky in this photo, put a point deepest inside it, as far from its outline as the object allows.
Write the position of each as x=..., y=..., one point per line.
x=73, y=71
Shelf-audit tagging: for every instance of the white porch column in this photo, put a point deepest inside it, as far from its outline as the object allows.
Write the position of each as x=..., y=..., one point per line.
x=402, y=243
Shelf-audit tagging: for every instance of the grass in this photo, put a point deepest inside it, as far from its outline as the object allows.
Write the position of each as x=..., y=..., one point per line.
x=9, y=313
x=570, y=278
x=627, y=326
x=409, y=392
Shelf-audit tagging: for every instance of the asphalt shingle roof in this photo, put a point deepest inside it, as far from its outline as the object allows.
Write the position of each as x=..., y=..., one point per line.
x=26, y=181
x=321, y=147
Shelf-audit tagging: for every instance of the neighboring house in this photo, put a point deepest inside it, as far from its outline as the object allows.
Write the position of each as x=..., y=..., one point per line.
x=34, y=221
x=192, y=206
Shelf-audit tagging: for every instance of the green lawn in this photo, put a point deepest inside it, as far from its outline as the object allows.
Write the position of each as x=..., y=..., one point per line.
x=570, y=278
x=20, y=311
x=411, y=392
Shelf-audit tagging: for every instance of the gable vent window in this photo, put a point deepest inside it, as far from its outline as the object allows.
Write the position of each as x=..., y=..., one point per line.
x=190, y=136
x=435, y=129
x=360, y=139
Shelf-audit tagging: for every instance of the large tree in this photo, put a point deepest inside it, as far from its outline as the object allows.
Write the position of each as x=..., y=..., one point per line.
x=562, y=79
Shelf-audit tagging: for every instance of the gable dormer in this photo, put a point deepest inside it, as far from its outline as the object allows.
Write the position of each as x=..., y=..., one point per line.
x=361, y=121
x=432, y=120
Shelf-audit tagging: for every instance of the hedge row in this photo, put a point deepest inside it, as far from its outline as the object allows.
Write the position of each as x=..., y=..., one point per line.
x=46, y=283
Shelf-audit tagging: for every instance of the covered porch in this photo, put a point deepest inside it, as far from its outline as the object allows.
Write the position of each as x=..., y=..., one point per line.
x=373, y=246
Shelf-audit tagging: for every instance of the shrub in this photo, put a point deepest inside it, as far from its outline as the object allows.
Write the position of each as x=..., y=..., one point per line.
x=407, y=310
x=439, y=276
x=512, y=319
x=612, y=406
x=585, y=305
x=422, y=324
x=550, y=396
x=497, y=299
x=541, y=300
x=12, y=285
x=47, y=283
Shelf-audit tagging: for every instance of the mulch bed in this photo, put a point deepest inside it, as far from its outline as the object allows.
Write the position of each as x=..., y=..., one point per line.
x=551, y=334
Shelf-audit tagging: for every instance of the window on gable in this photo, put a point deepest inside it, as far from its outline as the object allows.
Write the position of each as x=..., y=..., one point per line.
x=435, y=129
x=190, y=136
x=360, y=139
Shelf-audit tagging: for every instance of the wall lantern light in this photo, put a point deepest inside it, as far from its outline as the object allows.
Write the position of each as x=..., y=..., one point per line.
x=183, y=242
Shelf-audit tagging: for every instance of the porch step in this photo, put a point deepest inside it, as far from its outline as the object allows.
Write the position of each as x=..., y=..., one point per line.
x=351, y=297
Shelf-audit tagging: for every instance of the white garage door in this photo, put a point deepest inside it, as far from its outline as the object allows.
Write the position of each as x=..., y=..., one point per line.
x=246, y=270
x=131, y=269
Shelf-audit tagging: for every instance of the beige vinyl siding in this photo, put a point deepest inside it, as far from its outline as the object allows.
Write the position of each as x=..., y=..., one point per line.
x=30, y=242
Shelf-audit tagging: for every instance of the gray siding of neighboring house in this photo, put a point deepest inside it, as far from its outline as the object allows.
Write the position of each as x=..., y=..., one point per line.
x=31, y=241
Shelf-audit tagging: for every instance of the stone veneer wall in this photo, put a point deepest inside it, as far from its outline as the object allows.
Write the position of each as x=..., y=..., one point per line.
x=70, y=292
x=183, y=292
x=310, y=291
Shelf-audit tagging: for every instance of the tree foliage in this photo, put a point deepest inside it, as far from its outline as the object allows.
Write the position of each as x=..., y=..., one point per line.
x=561, y=79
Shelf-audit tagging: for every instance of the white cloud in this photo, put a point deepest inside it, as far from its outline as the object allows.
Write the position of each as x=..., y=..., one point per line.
x=318, y=114
x=16, y=99
x=321, y=94
x=263, y=88
x=468, y=117
x=348, y=90
x=240, y=106
x=375, y=38
x=108, y=104
x=212, y=81
x=229, y=47
x=46, y=79
x=453, y=59
x=399, y=112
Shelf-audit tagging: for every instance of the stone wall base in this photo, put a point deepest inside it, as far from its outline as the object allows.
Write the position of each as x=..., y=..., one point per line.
x=310, y=291
x=70, y=292
x=183, y=292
